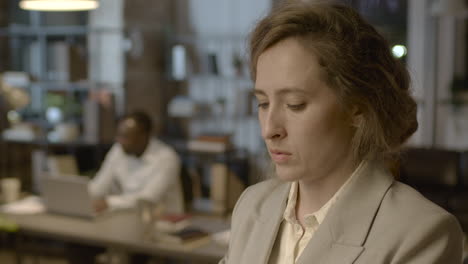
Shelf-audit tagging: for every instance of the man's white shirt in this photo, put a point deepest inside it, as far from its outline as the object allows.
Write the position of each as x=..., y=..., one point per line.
x=124, y=179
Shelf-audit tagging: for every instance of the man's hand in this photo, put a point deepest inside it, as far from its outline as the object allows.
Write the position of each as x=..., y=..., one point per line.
x=100, y=205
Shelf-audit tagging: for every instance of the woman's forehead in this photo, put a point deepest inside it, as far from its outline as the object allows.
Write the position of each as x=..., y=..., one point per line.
x=289, y=67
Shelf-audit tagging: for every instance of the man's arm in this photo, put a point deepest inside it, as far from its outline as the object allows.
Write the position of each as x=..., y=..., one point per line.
x=160, y=175
x=100, y=186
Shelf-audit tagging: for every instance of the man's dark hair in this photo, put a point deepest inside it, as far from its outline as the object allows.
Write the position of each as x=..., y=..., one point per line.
x=142, y=119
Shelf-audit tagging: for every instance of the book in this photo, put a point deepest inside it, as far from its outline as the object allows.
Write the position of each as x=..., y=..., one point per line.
x=207, y=146
x=210, y=143
x=170, y=223
x=225, y=188
x=189, y=237
x=62, y=164
x=176, y=218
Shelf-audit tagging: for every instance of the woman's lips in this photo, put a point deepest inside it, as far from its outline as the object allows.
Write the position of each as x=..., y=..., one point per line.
x=280, y=156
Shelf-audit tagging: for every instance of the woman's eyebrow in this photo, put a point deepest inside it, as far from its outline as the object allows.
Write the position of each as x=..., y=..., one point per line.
x=282, y=91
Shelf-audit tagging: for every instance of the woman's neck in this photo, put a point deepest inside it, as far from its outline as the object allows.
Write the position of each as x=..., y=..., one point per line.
x=314, y=194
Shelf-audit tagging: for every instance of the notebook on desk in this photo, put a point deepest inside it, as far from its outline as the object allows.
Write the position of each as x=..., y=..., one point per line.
x=68, y=195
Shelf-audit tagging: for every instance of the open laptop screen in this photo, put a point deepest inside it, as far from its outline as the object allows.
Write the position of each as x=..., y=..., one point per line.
x=67, y=194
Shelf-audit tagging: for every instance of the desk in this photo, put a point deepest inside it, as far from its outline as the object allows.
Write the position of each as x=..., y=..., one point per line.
x=118, y=231
x=18, y=158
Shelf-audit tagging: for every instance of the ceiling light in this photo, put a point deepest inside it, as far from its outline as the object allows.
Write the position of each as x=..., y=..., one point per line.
x=399, y=51
x=58, y=5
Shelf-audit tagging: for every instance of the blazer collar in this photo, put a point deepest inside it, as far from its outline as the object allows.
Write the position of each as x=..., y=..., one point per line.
x=268, y=220
x=341, y=236
x=344, y=230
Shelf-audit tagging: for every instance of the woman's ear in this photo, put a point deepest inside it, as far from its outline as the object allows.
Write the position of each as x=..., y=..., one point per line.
x=356, y=117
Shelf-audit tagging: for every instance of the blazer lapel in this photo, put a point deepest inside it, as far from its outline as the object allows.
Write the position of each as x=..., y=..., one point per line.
x=266, y=227
x=323, y=249
x=342, y=234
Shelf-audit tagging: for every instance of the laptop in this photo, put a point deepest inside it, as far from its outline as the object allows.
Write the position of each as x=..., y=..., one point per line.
x=67, y=195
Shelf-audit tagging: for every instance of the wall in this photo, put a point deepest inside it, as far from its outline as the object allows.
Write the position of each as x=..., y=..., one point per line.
x=3, y=58
x=145, y=29
x=106, y=48
x=437, y=55
x=3, y=40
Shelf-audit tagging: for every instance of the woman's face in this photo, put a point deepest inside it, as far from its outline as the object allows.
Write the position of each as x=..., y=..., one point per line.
x=306, y=130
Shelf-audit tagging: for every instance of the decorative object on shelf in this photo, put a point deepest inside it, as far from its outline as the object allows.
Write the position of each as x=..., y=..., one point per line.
x=182, y=106
x=15, y=98
x=54, y=115
x=213, y=67
x=99, y=116
x=179, y=63
x=59, y=5
x=11, y=89
x=238, y=64
x=219, y=108
x=10, y=189
x=134, y=43
x=20, y=132
x=64, y=132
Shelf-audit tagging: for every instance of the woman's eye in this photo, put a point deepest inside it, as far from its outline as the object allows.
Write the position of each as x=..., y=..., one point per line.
x=296, y=106
x=263, y=105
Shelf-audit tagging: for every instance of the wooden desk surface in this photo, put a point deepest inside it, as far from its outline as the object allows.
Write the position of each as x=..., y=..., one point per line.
x=118, y=230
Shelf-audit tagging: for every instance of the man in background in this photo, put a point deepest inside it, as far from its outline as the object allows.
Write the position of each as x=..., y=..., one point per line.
x=138, y=167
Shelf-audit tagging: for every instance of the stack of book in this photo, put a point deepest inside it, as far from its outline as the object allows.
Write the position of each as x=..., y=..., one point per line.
x=176, y=230
x=172, y=223
x=210, y=143
x=189, y=238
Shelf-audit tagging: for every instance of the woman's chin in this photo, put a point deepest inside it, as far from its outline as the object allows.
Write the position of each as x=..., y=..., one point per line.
x=287, y=174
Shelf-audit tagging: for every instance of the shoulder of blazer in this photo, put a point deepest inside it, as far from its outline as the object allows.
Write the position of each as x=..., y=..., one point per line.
x=403, y=200
x=418, y=226
x=257, y=199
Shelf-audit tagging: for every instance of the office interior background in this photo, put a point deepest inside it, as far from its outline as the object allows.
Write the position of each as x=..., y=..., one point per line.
x=70, y=75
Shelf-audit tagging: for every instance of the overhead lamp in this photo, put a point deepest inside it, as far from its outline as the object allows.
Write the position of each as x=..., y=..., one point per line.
x=399, y=51
x=59, y=5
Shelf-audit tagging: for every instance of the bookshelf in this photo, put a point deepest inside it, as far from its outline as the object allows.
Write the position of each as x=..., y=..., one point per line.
x=211, y=72
x=52, y=49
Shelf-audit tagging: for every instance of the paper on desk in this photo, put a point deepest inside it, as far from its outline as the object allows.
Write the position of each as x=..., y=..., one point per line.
x=29, y=205
x=222, y=237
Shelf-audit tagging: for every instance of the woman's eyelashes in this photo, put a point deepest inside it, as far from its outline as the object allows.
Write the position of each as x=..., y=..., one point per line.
x=296, y=107
x=262, y=105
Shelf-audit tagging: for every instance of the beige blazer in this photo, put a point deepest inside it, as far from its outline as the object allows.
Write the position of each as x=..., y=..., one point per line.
x=376, y=220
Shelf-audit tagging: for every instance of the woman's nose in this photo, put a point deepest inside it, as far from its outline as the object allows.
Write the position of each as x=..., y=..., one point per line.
x=273, y=126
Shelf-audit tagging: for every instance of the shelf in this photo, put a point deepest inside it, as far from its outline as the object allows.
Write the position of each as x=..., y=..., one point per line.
x=50, y=31
x=62, y=86
x=45, y=142
x=32, y=31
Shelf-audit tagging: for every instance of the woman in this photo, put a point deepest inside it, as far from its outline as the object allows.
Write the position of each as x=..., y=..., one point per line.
x=334, y=108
